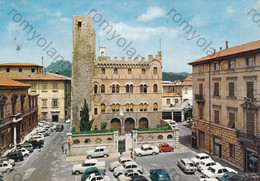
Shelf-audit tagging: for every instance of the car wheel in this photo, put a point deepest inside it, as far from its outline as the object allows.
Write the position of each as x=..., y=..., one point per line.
x=105, y=155
x=120, y=173
x=172, y=150
x=139, y=154
x=26, y=155
x=77, y=172
x=89, y=157
x=139, y=171
x=161, y=151
x=153, y=153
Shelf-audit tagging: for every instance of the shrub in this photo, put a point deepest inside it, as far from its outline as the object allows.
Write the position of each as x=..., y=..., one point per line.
x=73, y=131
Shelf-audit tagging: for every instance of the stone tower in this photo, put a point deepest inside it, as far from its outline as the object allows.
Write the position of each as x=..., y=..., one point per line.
x=82, y=65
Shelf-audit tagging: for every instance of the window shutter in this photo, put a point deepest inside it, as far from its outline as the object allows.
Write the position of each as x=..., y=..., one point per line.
x=231, y=86
x=200, y=112
x=250, y=90
x=217, y=116
x=201, y=88
x=231, y=122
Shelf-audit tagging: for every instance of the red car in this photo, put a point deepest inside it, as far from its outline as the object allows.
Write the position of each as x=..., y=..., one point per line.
x=165, y=147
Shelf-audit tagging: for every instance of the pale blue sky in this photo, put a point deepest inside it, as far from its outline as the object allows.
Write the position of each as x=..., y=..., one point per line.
x=141, y=22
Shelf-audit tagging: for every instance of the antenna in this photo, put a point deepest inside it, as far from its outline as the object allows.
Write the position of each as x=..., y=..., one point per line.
x=42, y=63
x=160, y=44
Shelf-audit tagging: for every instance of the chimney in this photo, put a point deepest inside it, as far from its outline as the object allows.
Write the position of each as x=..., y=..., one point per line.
x=220, y=48
x=50, y=71
x=214, y=51
x=226, y=44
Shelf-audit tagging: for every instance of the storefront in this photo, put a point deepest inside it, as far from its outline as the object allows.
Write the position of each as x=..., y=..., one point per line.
x=251, y=161
x=217, y=144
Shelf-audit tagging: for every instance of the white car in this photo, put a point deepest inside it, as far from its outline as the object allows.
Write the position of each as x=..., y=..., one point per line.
x=128, y=174
x=173, y=124
x=187, y=165
x=5, y=167
x=146, y=150
x=216, y=171
x=100, y=151
x=39, y=137
x=127, y=165
x=24, y=152
x=97, y=177
x=209, y=179
x=205, y=164
x=118, y=163
x=80, y=168
x=200, y=157
x=68, y=121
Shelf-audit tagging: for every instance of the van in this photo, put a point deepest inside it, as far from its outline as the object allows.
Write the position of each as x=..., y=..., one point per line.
x=59, y=128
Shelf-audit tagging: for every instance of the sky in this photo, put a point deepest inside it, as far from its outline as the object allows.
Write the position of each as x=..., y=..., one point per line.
x=147, y=25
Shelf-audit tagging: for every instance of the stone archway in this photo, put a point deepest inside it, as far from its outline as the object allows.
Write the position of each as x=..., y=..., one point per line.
x=143, y=122
x=129, y=124
x=116, y=123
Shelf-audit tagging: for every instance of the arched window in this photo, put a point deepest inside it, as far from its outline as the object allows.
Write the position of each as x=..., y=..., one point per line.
x=76, y=141
x=141, y=88
x=131, y=107
x=155, y=70
x=155, y=107
x=155, y=88
x=127, y=107
x=141, y=107
x=131, y=88
x=95, y=89
x=145, y=107
x=169, y=136
x=145, y=88
x=103, y=88
x=117, y=88
x=117, y=108
x=113, y=88
x=103, y=108
x=14, y=98
x=102, y=54
x=160, y=137
x=109, y=140
x=113, y=107
x=87, y=141
x=127, y=88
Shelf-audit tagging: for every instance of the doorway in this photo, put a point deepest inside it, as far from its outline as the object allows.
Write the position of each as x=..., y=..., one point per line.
x=55, y=118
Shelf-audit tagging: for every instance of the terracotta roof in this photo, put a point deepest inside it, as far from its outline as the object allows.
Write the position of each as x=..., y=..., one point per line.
x=19, y=65
x=187, y=82
x=231, y=51
x=172, y=94
x=11, y=83
x=35, y=76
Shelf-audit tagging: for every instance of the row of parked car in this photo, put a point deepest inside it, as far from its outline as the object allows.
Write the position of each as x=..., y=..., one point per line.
x=34, y=140
x=203, y=163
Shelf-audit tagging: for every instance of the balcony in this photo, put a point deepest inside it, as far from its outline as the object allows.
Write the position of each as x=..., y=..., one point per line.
x=248, y=137
x=200, y=98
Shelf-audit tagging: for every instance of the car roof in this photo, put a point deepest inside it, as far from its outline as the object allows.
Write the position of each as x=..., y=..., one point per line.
x=91, y=161
x=125, y=158
x=146, y=145
x=100, y=147
x=130, y=163
x=207, y=160
x=187, y=160
x=161, y=171
x=217, y=167
x=202, y=154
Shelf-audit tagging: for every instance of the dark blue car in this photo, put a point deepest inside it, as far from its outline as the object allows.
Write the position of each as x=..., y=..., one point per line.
x=159, y=175
x=227, y=176
x=90, y=171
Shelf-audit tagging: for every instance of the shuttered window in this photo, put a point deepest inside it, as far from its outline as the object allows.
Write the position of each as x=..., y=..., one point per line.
x=131, y=107
x=200, y=112
x=141, y=88
x=216, y=89
x=117, y=88
x=155, y=88
x=216, y=116
x=145, y=107
x=113, y=88
x=200, y=88
x=113, y=107
x=127, y=107
x=141, y=107
x=131, y=88
x=103, y=108
x=117, y=107
x=231, y=122
x=250, y=125
x=231, y=89
x=155, y=106
x=250, y=89
x=103, y=88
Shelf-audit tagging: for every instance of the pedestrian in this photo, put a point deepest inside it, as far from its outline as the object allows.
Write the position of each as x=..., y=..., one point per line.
x=62, y=149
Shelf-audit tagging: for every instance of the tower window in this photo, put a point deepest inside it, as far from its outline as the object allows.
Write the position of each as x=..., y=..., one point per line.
x=8, y=69
x=20, y=69
x=33, y=70
x=79, y=23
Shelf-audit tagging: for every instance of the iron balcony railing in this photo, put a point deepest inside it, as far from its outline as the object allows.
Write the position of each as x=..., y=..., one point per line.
x=248, y=136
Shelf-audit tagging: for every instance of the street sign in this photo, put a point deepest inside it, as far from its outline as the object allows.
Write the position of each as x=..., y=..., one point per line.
x=69, y=141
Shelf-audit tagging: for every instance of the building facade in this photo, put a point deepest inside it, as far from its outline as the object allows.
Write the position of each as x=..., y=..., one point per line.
x=18, y=112
x=124, y=93
x=53, y=89
x=226, y=105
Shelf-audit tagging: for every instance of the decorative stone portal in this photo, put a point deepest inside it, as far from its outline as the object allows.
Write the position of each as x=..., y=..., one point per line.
x=116, y=123
x=143, y=123
x=129, y=124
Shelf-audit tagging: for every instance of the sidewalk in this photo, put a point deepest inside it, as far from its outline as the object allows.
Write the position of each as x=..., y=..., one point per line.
x=83, y=157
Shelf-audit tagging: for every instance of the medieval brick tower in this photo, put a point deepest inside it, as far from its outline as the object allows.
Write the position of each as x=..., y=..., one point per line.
x=82, y=64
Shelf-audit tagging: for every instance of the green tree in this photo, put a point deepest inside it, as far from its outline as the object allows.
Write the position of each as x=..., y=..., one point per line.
x=103, y=125
x=85, y=123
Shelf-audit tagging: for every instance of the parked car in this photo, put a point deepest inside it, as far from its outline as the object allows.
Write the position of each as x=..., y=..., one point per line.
x=128, y=175
x=209, y=179
x=127, y=165
x=205, y=164
x=35, y=143
x=4, y=158
x=118, y=163
x=227, y=176
x=245, y=177
x=80, y=168
x=16, y=156
x=187, y=165
x=5, y=167
x=68, y=121
x=173, y=124
x=146, y=150
x=200, y=157
x=26, y=145
x=39, y=137
x=100, y=151
x=138, y=178
x=163, y=147
x=90, y=171
x=159, y=174
x=216, y=171
x=59, y=128
x=97, y=177
x=24, y=152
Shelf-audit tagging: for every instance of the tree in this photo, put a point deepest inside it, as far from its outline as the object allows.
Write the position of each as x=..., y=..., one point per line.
x=85, y=123
x=103, y=125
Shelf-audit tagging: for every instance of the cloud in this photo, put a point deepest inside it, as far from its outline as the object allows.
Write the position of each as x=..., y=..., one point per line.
x=257, y=5
x=58, y=14
x=65, y=20
x=199, y=21
x=151, y=14
x=139, y=32
x=230, y=10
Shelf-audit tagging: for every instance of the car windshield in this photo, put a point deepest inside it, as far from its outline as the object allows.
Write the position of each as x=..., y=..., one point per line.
x=191, y=164
x=161, y=177
x=211, y=169
x=198, y=157
x=202, y=163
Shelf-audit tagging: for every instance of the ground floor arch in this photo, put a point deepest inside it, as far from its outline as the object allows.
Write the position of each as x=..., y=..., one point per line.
x=116, y=123
x=143, y=122
x=129, y=124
